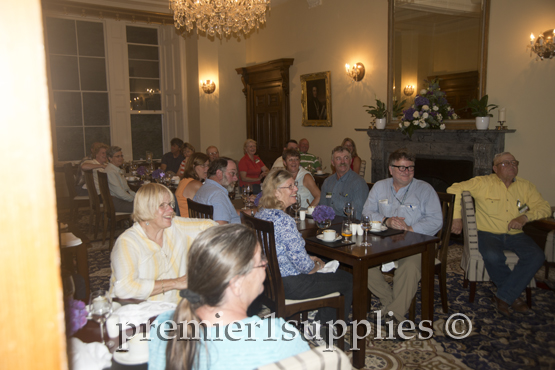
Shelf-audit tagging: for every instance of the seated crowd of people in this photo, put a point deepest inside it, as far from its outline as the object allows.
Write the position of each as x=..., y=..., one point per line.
x=165, y=258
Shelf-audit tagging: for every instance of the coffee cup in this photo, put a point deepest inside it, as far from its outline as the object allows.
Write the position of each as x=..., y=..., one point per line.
x=329, y=235
x=376, y=226
x=354, y=228
x=319, y=172
x=309, y=210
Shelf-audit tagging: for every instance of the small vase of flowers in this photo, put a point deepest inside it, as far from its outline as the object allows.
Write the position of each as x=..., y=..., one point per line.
x=323, y=215
x=429, y=110
x=158, y=175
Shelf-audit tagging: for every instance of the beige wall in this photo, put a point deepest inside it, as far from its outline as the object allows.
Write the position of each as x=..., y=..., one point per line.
x=524, y=87
x=325, y=38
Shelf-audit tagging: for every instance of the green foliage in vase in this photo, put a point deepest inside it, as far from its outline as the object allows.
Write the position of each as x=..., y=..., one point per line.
x=481, y=108
x=397, y=109
x=378, y=111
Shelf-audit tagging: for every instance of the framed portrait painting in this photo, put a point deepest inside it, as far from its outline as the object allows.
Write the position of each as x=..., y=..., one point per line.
x=316, y=99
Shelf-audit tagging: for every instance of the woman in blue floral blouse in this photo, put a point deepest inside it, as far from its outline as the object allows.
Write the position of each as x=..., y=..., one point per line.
x=298, y=269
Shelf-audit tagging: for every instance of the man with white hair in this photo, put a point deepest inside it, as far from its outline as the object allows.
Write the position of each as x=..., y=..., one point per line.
x=290, y=144
x=307, y=159
x=504, y=204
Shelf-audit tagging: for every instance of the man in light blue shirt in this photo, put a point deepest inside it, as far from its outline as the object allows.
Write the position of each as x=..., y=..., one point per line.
x=221, y=173
x=344, y=185
x=404, y=203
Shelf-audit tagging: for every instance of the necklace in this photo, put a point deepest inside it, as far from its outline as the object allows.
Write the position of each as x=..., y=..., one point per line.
x=404, y=197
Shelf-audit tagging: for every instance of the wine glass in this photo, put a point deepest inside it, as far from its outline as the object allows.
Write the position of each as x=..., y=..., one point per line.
x=346, y=231
x=296, y=206
x=249, y=192
x=100, y=307
x=245, y=197
x=348, y=209
x=366, y=225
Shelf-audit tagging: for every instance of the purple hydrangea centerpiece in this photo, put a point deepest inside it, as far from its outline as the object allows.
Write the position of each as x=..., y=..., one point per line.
x=158, y=174
x=141, y=171
x=76, y=315
x=323, y=213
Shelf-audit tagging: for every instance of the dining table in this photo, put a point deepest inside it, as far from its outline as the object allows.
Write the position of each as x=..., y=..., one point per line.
x=359, y=259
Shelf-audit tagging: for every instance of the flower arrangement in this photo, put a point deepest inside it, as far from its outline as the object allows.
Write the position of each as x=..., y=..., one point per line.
x=323, y=213
x=157, y=174
x=429, y=110
x=257, y=199
x=141, y=171
x=76, y=315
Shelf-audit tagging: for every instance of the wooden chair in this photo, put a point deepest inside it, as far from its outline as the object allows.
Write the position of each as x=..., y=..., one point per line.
x=94, y=201
x=274, y=295
x=362, y=169
x=75, y=201
x=199, y=210
x=370, y=185
x=111, y=217
x=472, y=262
x=447, y=202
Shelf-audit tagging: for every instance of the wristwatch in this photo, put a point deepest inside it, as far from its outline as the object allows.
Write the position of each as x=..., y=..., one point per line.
x=384, y=221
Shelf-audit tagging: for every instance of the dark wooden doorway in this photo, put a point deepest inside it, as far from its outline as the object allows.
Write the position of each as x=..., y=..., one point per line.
x=266, y=88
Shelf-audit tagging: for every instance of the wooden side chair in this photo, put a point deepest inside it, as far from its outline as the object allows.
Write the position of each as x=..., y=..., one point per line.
x=274, y=295
x=111, y=217
x=75, y=201
x=472, y=262
x=199, y=210
x=447, y=202
x=94, y=201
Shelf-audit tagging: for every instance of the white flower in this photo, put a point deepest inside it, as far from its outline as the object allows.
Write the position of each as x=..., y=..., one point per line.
x=423, y=92
x=425, y=115
x=455, y=116
x=416, y=114
x=439, y=117
x=415, y=122
x=422, y=124
x=435, y=108
x=400, y=125
x=407, y=123
x=442, y=126
x=448, y=107
x=425, y=107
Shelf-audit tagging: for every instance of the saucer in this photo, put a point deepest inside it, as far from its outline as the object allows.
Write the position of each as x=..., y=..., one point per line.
x=384, y=228
x=321, y=237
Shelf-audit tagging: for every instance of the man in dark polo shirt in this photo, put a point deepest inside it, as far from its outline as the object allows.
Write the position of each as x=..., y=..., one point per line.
x=172, y=159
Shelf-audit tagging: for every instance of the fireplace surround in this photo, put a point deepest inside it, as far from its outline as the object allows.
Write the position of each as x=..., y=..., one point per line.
x=475, y=146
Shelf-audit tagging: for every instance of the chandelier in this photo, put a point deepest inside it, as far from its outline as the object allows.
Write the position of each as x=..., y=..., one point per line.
x=221, y=17
x=543, y=46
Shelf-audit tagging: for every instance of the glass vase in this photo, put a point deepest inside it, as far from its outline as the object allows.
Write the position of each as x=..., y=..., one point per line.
x=324, y=224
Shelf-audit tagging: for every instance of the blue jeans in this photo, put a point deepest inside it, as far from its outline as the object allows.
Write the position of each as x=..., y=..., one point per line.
x=530, y=258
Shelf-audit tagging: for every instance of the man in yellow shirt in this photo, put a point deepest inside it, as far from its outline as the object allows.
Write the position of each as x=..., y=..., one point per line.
x=504, y=203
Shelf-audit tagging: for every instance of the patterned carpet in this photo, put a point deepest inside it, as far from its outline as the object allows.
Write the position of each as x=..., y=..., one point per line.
x=520, y=342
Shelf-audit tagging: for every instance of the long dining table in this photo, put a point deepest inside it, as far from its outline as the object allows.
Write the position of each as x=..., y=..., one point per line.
x=360, y=259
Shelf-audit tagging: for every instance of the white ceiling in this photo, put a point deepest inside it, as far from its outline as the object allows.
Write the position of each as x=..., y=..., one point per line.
x=159, y=6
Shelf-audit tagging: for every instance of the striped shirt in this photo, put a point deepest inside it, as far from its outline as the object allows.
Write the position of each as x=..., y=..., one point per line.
x=137, y=261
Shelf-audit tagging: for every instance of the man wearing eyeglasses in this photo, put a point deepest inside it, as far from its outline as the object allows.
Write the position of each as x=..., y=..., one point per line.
x=404, y=203
x=504, y=204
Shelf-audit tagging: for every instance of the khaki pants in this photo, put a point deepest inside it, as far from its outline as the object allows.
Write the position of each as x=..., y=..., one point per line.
x=405, y=285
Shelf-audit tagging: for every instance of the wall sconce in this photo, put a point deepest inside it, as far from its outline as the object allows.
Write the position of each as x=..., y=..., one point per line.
x=543, y=46
x=208, y=86
x=409, y=90
x=356, y=72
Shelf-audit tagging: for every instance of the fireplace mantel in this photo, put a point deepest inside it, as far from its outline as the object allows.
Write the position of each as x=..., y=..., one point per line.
x=478, y=146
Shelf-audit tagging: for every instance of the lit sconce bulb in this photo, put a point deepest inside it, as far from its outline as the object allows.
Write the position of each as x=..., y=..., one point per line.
x=532, y=39
x=347, y=67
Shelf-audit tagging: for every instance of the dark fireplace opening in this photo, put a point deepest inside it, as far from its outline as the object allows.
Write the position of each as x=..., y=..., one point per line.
x=442, y=173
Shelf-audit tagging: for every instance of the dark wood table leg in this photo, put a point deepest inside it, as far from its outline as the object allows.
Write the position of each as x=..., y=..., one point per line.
x=83, y=266
x=427, y=283
x=360, y=309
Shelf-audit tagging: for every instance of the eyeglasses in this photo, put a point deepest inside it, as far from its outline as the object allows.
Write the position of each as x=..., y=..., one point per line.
x=203, y=165
x=166, y=204
x=213, y=153
x=290, y=187
x=263, y=263
x=404, y=168
x=509, y=163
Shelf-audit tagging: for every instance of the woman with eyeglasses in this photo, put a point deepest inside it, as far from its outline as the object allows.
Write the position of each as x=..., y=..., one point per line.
x=148, y=259
x=297, y=268
x=219, y=299
x=194, y=176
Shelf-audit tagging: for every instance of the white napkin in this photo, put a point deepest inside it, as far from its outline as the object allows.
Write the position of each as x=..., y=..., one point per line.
x=70, y=240
x=89, y=356
x=137, y=314
x=330, y=267
x=386, y=267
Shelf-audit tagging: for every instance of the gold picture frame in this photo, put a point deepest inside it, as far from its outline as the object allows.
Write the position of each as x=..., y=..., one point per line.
x=316, y=99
